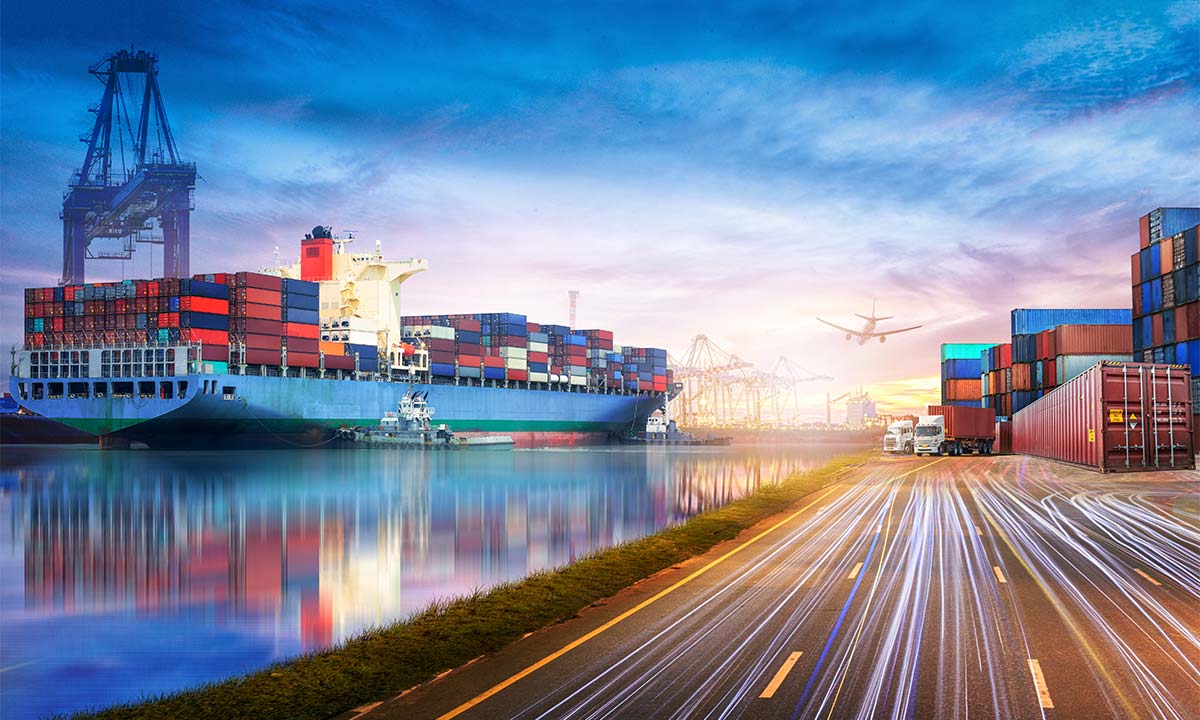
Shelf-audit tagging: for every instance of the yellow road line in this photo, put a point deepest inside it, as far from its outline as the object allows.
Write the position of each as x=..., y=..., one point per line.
x=641, y=606
x=1139, y=571
x=854, y=573
x=999, y=574
x=781, y=675
x=1039, y=680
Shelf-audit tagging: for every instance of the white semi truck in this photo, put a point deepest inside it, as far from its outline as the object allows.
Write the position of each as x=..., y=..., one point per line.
x=956, y=431
x=899, y=437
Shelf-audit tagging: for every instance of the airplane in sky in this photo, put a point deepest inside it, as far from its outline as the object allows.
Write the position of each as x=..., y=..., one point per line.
x=868, y=330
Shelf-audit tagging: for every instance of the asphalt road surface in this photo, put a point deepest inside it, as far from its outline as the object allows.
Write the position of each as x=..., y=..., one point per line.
x=917, y=588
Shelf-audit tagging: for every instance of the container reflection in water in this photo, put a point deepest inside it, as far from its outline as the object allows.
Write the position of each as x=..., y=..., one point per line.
x=130, y=573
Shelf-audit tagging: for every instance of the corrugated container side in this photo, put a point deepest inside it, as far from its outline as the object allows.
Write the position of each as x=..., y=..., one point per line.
x=962, y=351
x=966, y=422
x=1028, y=321
x=1094, y=339
x=1114, y=417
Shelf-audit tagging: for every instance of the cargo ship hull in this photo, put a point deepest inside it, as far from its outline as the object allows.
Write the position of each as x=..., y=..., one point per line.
x=227, y=411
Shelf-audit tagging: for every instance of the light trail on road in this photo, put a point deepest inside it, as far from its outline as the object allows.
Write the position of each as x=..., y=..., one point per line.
x=972, y=588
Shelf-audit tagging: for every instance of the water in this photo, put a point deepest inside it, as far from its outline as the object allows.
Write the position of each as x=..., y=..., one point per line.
x=134, y=573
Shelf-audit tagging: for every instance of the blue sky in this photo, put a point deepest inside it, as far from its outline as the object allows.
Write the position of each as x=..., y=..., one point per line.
x=733, y=170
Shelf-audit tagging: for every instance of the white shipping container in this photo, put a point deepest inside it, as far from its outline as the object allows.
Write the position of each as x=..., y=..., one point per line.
x=539, y=377
x=577, y=380
x=514, y=352
x=360, y=337
x=1070, y=366
x=539, y=347
x=516, y=364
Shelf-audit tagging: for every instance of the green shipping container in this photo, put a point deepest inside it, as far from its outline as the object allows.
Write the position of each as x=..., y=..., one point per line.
x=964, y=351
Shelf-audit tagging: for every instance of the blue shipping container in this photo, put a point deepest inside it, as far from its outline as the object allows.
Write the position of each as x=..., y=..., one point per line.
x=301, y=302
x=962, y=369
x=1165, y=222
x=1030, y=321
x=301, y=317
x=204, y=321
x=490, y=373
x=200, y=288
x=292, y=286
x=444, y=369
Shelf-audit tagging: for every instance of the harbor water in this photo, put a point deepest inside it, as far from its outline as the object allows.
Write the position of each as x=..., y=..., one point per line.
x=131, y=574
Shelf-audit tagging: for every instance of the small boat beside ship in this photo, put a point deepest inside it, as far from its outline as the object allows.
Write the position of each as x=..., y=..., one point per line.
x=411, y=426
x=661, y=430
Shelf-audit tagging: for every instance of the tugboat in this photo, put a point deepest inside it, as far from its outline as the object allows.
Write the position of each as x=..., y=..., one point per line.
x=412, y=426
x=661, y=430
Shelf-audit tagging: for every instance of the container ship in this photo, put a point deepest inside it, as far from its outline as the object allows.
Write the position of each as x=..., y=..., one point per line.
x=286, y=357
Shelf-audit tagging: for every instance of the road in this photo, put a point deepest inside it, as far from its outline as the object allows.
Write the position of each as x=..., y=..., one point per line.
x=967, y=587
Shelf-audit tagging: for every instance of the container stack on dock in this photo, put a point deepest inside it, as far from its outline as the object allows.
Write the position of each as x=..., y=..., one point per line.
x=1166, y=291
x=995, y=364
x=962, y=374
x=1040, y=362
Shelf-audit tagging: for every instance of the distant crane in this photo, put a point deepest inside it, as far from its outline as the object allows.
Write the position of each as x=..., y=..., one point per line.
x=829, y=408
x=573, y=300
x=112, y=196
x=719, y=389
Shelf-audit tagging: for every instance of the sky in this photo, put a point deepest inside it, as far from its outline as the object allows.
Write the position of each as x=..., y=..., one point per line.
x=732, y=170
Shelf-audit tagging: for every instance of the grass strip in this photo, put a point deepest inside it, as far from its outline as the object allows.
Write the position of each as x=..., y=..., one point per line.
x=385, y=661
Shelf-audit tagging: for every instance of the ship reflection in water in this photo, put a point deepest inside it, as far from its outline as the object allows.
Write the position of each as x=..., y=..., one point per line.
x=135, y=573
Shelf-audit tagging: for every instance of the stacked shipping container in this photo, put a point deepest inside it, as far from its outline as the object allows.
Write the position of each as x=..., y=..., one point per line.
x=506, y=346
x=169, y=310
x=961, y=374
x=1036, y=364
x=995, y=366
x=1166, y=291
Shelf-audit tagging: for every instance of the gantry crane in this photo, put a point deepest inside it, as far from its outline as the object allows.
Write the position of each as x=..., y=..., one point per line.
x=112, y=196
x=719, y=389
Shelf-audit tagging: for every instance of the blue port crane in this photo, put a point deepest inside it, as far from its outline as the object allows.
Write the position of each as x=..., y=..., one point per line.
x=120, y=196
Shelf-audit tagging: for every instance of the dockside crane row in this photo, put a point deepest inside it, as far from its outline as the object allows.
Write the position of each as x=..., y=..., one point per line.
x=112, y=196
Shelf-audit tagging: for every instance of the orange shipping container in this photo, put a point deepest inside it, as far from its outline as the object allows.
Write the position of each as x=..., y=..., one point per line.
x=1022, y=377
x=333, y=349
x=954, y=389
x=1166, y=258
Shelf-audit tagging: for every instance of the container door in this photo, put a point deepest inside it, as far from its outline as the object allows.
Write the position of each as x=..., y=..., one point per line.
x=1146, y=415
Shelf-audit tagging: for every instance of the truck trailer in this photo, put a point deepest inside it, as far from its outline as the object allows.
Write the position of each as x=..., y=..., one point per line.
x=955, y=431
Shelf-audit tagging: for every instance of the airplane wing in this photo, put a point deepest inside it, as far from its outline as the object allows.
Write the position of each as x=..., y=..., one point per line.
x=893, y=332
x=839, y=327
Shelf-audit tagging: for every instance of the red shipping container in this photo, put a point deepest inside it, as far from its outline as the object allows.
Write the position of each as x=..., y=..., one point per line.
x=493, y=361
x=1157, y=329
x=216, y=306
x=1003, y=438
x=1137, y=299
x=262, y=357
x=258, y=280
x=966, y=422
x=515, y=341
x=301, y=330
x=256, y=326
x=440, y=345
x=208, y=337
x=339, y=362
x=470, y=361
x=214, y=353
x=469, y=349
x=539, y=357
x=1114, y=417
x=263, y=342
x=1144, y=231
x=1096, y=339
x=1049, y=373
x=1193, y=320
x=301, y=345
x=516, y=374
x=1005, y=356
x=1183, y=330
x=531, y=327
x=468, y=324
x=262, y=297
x=260, y=312
x=302, y=359
x=442, y=356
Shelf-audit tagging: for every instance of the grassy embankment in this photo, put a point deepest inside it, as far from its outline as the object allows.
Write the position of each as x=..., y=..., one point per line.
x=385, y=661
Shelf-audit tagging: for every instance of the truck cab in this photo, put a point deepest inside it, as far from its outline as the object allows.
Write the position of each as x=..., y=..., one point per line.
x=899, y=437
x=930, y=435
